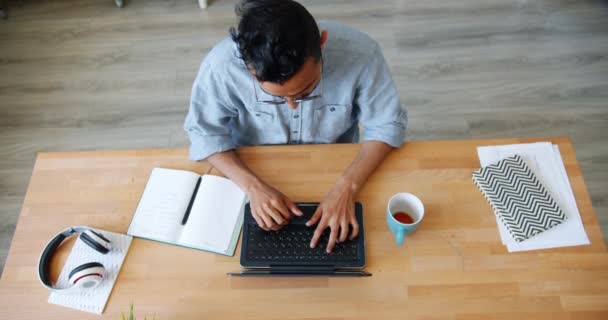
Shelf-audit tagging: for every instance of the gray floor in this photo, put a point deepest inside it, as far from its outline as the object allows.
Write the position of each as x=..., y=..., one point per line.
x=83, y=75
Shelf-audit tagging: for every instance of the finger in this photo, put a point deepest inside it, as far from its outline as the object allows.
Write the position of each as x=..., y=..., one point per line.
x=267, y=221
x=355, y=229
x=277, y=219
x=345, y=221
x=317, y=235
x=293, y=208
x=259, y=220
x=343, y=231
x=315, y=217
x=282, y=209
x=333, y=236
x=265, y=215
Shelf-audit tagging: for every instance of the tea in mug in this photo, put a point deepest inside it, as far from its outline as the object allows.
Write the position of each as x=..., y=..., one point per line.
x=403, y=217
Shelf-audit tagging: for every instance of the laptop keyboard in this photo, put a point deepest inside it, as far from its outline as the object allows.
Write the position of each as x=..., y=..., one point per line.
x=291, y=245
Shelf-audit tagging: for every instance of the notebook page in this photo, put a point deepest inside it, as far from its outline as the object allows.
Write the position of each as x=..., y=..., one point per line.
x=163, y=204
x=214, y=215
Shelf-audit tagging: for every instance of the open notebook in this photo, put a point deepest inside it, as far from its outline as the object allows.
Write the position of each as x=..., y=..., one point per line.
x=185, y=209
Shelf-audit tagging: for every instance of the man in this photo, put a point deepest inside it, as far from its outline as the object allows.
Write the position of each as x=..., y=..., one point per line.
x=283, y=79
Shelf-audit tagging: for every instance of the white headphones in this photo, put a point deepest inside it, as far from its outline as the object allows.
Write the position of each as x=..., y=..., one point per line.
x=85, y=276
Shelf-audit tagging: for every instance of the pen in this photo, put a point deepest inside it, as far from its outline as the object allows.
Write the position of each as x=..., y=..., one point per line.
x=187, y=214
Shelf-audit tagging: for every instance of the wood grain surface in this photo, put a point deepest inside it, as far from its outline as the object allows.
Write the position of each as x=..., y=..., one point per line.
x=453, y=267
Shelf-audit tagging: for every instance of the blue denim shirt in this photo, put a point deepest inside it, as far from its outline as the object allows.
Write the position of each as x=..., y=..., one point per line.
x=356, y=86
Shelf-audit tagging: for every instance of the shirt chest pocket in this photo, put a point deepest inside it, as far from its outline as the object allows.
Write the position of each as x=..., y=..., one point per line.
x=332, y=120
x=259, y=121
x=262, y=127
x=262, y=118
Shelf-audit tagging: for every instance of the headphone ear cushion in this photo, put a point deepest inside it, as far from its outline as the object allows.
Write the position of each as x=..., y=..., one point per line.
x=100, y=235
x=85, y=267
x=94, y=243
x=88, y=275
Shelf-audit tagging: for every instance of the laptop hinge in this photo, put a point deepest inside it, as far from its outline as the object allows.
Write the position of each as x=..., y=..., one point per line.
x=303, y=269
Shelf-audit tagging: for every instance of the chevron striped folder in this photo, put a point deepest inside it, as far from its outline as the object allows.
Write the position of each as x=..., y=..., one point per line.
x=518, y=198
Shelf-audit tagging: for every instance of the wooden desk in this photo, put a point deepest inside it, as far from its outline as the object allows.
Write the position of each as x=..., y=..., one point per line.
x=453, y=267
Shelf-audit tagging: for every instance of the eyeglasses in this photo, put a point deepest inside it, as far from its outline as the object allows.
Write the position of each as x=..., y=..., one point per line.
x=282, y=100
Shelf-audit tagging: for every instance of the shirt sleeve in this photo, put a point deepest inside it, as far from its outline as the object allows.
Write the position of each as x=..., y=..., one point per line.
x=207, y=122
x=382, y=116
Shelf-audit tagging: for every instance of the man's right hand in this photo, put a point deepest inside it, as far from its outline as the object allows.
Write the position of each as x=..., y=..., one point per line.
x=270, y=208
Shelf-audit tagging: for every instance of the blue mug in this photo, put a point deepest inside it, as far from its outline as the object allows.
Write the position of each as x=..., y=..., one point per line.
x=400, y=225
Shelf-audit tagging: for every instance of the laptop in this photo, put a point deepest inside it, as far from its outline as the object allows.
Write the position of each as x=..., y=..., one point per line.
x=287, y=252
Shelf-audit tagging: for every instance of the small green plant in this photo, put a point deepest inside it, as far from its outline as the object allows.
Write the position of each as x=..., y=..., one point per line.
x=131, y=316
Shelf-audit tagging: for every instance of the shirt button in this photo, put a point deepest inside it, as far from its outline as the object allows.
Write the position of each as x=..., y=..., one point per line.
x=296, y=116
x=332, y=109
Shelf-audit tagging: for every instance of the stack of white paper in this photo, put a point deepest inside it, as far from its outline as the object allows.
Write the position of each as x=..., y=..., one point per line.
x=544, y=159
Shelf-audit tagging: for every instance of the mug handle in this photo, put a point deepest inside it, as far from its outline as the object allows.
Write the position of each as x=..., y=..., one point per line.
x=400, y=237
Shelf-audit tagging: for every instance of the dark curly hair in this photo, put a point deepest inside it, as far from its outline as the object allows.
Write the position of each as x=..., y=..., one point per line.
x=275, y=38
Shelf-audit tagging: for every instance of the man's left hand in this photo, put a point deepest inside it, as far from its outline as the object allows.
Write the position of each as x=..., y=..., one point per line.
x=336, y=211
